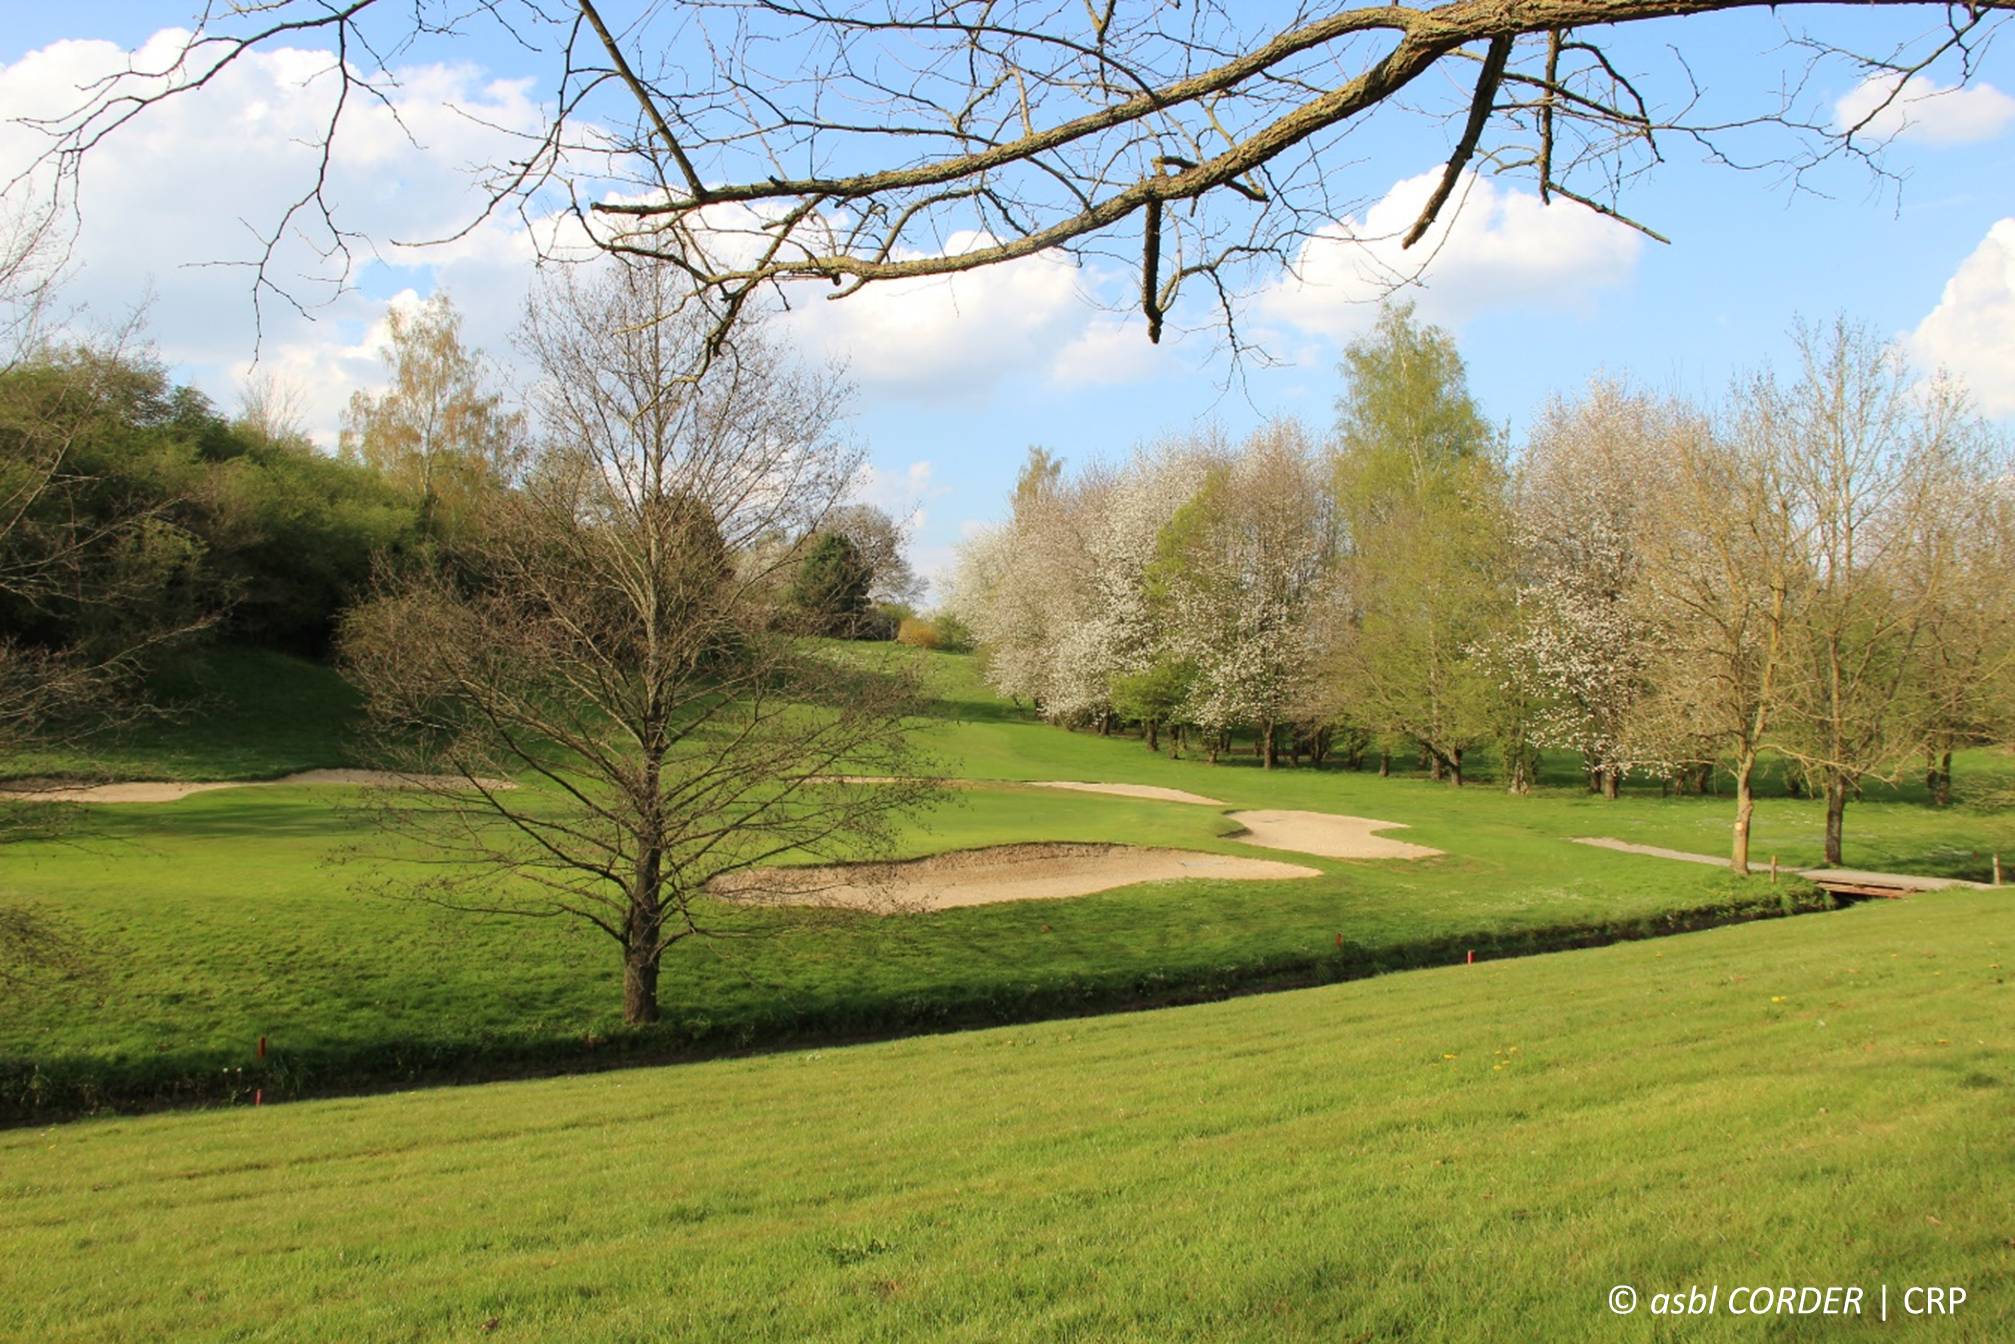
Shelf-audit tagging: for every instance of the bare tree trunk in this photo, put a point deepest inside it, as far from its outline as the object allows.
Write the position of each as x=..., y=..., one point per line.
x=1455, y=767
x=1612, y=782
x=1434, y=765
x=642, y=948
x=1745, y=811
x=640, y=985
x=1384, y=764
x=1837, y=785
x=1270, y=752
x=1154, y=735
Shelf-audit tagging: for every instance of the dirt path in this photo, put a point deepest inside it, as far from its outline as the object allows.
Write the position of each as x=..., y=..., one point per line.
x=1656, y=852
x=1326, y=833
x=985, y=876
x=1153, y=791
x=174, y=792
x=1826, y=877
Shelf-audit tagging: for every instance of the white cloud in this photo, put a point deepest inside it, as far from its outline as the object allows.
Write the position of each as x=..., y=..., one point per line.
x=1972, y=330
x=1491, y=249
x=1109, y=350
x=900, y=494
x=172, y=207
x=173, y=204
x=956, y=338
x=1923, y=109
x=948, y=338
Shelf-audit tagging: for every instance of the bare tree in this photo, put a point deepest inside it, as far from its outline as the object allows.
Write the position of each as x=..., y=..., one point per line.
x=855, y=141
x=1964, y=575
x=879, y=539
x=1870, y=457
x=1724, y=586
x=612, y=660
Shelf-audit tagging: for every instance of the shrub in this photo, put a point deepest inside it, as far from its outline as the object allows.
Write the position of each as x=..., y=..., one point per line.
x=919, y=634
x=953, y=634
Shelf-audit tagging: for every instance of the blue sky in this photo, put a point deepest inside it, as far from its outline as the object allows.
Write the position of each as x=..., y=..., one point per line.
x=1539, y=300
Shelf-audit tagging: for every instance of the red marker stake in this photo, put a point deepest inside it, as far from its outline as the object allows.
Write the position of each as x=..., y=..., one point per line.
x=259, y=1096
x=262, y=1047
x=1472, y=958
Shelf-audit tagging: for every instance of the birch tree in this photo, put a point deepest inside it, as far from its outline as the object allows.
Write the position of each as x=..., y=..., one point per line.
x=437, y=431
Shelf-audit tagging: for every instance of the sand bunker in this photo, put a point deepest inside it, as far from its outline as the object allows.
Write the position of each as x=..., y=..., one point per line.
x=1153, y=791
x=1326, y=833
x=172, y=792
x=984, y=876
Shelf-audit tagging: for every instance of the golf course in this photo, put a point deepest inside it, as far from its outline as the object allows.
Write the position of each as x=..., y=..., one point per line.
x=1493, y=1083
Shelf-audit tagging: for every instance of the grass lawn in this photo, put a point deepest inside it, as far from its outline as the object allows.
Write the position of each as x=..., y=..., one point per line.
x=220, y=919
x=1469, y=1153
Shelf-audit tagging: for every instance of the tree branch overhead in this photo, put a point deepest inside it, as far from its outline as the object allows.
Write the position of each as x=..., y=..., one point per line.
x=752, y=145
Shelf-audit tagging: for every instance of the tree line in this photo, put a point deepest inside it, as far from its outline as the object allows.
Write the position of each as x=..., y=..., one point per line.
x=136, y=518
x=1818, y=570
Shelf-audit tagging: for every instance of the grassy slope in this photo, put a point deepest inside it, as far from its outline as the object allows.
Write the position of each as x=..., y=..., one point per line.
x=229, y=713
x=1460, y=1154
x=221, y=921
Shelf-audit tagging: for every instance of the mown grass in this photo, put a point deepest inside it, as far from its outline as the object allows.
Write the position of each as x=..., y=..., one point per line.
x=1470, y=1153
x=220, y=919
x=218, y=713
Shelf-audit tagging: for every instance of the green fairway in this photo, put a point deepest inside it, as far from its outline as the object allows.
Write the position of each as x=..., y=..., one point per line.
x=226, y=917
x=1473, y=1153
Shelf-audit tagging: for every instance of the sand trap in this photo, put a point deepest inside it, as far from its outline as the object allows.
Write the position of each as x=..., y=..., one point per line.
x=1153, y=791
x=171, y=792
x=984, y=876
x=1326, y=833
